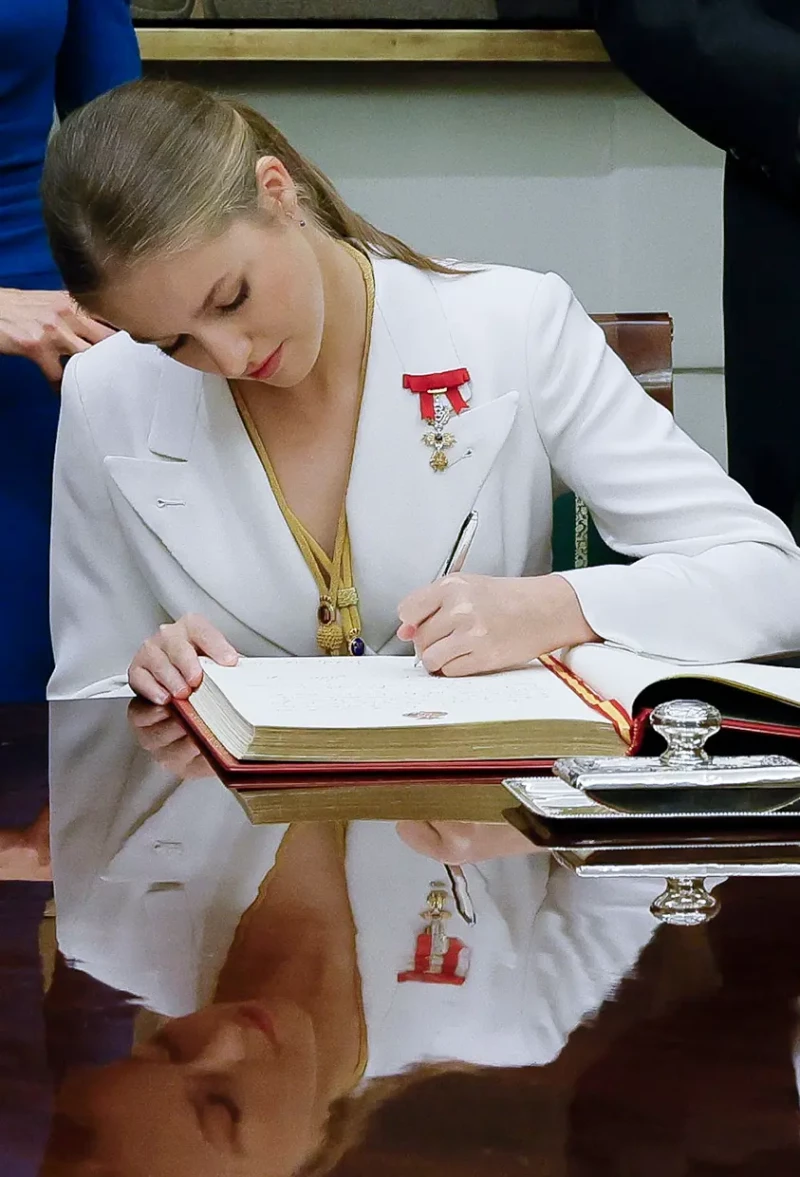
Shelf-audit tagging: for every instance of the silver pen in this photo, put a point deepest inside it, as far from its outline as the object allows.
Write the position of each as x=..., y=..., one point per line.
x=458, y=556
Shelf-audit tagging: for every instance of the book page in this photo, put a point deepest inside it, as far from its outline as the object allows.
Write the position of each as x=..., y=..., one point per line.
x=622, y=675
x=383, y=692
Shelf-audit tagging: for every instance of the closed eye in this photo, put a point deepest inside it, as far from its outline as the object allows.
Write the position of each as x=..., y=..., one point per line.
x=218, y=1117
x=241, y=297
x=169, y=349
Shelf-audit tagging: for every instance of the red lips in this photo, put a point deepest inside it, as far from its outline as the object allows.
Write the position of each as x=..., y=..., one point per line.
x=254, y=1014
x=269, y=367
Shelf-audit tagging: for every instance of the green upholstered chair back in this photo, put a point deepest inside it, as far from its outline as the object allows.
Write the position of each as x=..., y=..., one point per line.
x=644, y=344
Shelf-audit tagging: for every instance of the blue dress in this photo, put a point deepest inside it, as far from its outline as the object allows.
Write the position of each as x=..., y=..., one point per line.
x=53, y=53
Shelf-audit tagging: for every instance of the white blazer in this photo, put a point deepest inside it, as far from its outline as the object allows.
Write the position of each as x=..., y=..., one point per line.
x=162, y=507
x=152, y=877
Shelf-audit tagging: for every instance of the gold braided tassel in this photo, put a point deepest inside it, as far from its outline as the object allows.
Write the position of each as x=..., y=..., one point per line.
x=330, y=637
x=347, y=598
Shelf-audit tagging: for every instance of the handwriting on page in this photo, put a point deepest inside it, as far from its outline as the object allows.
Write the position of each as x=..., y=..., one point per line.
x=386, y=692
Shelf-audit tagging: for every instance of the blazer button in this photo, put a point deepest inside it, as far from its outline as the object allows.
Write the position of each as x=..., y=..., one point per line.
x=168, y=849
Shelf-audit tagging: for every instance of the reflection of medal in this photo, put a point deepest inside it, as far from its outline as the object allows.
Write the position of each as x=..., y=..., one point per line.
x=440, y=399
x=439, y=959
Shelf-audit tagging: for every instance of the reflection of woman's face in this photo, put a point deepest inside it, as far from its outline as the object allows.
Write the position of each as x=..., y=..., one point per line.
x=231, y=1089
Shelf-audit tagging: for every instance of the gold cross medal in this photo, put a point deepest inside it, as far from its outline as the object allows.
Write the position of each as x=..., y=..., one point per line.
x=441, y=397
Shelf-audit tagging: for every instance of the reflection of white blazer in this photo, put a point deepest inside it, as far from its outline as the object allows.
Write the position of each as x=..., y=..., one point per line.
x=162, y=506
x=151, y=879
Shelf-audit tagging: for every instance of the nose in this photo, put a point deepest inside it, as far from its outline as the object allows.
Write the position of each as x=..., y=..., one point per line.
x=229, y=349
x=224, y=1047
x=197, y=1048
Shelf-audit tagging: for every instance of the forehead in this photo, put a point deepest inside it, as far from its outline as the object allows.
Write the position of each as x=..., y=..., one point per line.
x=163, y=295
x=144, y=1124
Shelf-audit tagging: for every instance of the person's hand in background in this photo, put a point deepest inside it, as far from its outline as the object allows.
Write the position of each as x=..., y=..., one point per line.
x=25, y=853
x=43, y=326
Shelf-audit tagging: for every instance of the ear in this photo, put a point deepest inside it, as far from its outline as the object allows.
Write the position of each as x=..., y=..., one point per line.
x=276, y=188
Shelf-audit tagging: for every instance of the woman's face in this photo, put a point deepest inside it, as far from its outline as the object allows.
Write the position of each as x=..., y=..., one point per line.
x=249, y=304
x=229, y=1090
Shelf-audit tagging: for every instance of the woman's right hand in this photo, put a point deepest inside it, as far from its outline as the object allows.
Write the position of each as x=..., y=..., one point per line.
x=43, y=326
x=167, y=666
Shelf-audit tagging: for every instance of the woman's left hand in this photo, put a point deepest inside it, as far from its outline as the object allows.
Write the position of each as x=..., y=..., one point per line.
x=477, y=624
x=165, y=738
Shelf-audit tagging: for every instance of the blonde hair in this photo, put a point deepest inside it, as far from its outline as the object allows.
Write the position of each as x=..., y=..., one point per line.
x=155, y=167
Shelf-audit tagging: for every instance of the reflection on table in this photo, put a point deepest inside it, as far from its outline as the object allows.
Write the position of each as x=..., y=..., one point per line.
x=309, y=986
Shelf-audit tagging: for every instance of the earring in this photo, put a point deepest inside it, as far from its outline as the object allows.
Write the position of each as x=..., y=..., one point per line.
x=302, y=224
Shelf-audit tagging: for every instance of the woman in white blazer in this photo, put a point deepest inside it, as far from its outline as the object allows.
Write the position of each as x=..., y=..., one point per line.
x=164, y=890
x=291, y=475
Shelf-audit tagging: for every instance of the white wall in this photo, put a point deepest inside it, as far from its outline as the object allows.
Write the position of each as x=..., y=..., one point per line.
x=564, y=168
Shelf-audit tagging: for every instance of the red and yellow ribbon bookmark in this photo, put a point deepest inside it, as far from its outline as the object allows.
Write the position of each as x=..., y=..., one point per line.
x=610, y=708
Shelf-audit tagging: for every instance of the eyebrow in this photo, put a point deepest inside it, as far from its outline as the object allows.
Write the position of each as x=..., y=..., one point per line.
x=207, y=303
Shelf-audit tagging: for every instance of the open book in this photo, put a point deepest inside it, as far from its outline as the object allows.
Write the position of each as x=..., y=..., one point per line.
x=382, y=714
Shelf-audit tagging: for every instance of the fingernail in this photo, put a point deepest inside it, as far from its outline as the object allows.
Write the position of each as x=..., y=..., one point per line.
x=162, y=697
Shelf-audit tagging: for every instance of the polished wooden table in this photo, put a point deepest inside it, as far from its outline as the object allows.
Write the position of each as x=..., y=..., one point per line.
x=585, y=1039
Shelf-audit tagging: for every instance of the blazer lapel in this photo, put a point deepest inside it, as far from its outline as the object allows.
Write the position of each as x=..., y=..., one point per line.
x=403, y=516
x=207, y=498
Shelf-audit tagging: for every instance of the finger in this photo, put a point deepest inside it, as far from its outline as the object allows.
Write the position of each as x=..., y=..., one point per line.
x=199, y=767
x=421, y=837
x=450, y=842
x=89, y=328
x=48, y=352
x=435, y=629
x=153, y=739
x=207, y=638
x=144, y=684
x=456, y=841
x=153, y=659
x=438, y=656
x=143, y=714
x=420, y=605
x=183, y=656
x=178, y=756
x=465, y=666
x=49, y=360
x=67, y=343
x=164, y=671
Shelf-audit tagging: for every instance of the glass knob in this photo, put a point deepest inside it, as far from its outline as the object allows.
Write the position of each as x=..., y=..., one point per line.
x=685, y=904
x=685, y=724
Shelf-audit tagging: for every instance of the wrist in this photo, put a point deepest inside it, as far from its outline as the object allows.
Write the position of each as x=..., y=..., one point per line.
x=576, y=628
x=554, y=618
